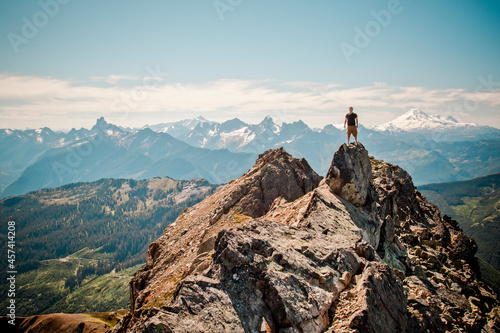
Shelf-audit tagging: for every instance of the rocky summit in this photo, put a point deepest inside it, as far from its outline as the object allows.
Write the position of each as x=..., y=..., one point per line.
x=282, y=250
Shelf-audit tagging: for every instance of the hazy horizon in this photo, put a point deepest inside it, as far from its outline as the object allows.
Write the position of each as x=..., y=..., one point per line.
x=278, y=119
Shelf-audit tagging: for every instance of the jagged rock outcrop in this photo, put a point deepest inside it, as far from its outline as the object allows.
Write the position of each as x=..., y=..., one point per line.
x=275, y=174
x=187, y=244
x=349, y=175
x=278, y=250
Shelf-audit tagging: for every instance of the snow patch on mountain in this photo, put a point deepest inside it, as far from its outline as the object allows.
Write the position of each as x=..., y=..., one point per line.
x=178, y=128
x=242, y=136
x=416, y=119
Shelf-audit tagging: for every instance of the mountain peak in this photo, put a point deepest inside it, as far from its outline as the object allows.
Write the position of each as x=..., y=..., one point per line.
x=201, y=118
x=418, y=120
x=416, y=113
x=267, y=121
x=101, y=122
x=100, y=125
x=273, y=168
x=276, y=247
x=232, y=125
x=268, y=126
x=272, y=154
x=294, y=128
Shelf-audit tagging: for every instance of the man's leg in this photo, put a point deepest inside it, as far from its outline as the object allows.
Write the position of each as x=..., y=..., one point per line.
x=348, y=135
x=355, y=134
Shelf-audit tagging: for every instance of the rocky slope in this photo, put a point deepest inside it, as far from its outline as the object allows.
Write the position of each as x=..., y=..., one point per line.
x=280, y=250
x=95, y=322
x=475, y=204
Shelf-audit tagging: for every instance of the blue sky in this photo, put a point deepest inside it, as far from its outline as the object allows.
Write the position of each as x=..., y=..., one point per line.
x=65, y=63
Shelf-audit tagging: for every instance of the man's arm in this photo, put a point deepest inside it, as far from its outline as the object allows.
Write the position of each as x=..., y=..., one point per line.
x=345, y=120
x=356, y=122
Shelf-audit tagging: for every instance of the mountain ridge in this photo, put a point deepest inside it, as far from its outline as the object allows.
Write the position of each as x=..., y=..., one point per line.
x=361, y=249
x=109, y=152
x=430, y=157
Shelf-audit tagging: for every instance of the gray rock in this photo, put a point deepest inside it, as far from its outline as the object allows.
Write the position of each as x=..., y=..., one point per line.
x=275, y=174
x=350, y=174
x=361, y=251
x=383, y=302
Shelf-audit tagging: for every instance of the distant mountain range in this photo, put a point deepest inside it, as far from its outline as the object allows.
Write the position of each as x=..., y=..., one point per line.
x=430, y=147
x=46, y=159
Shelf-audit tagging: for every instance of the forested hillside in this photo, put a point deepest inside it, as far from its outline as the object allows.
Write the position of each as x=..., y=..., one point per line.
x=115, y=220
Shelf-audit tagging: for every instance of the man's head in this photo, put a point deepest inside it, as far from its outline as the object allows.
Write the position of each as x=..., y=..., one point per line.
x=350, y=109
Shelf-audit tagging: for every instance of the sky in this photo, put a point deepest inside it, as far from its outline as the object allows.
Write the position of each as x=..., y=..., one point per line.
x=65, y=63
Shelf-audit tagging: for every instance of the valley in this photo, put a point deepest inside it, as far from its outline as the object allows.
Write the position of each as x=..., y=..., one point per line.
x=78, y=242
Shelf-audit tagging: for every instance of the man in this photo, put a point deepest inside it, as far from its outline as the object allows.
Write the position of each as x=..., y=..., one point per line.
x=352, y=125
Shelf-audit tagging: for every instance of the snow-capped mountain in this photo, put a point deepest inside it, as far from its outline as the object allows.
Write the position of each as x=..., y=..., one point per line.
x=178, y=128
x=43, y=158
x=416, y=123
x=413, y=141
x=418, y=120
x=235, y=135
x=431, y=147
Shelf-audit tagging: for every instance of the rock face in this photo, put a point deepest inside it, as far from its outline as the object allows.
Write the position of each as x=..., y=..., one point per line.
x=349, y=175
x=278, y=250
x=275, y=174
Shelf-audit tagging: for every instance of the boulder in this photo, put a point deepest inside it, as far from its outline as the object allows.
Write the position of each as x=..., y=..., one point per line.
x=350, y=174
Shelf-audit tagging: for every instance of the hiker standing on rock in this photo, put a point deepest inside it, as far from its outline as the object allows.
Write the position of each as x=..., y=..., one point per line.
x=352, y=125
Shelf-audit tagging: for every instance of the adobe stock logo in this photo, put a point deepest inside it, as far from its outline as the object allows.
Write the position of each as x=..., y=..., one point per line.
x=221, y=7
x=372, y=29
x=30, y=28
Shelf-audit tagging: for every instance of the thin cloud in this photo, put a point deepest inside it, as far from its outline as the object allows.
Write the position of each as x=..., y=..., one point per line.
x=31, y=98
x=113, y=79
